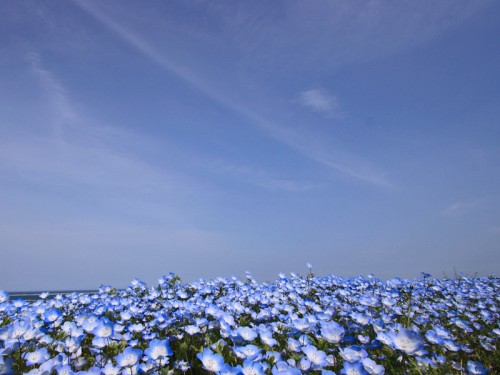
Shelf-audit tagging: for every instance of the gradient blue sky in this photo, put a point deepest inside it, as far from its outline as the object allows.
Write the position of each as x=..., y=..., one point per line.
x=208, y=138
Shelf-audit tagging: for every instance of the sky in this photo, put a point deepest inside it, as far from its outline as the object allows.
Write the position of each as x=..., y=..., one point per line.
x=211, y=138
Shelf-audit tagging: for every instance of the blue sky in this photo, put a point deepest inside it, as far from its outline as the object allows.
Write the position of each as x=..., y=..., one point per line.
x=208, y=138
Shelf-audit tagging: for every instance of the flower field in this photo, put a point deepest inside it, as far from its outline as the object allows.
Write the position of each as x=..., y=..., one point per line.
x=296, y=325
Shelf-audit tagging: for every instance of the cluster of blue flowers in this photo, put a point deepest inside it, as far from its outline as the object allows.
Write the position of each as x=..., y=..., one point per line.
x=296, y=325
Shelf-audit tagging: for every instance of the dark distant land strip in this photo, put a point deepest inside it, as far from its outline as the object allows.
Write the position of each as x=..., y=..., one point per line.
x=33, y=296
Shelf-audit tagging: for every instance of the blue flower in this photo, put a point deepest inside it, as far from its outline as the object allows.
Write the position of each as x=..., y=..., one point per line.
x=37, y=357
x=372, y=367
x=110, y=369
x=353, y=354
x=211, y=361
x=244, y=333
x=361, y=318
x=476, y=368
x=52, y=315
x=355, y=368
x=247, y=352
x=283, y=368
x=64, y=370
x=129, y=357
x=317, y=357
x=302, y=324
x=230, y=370
x=159, y=349
x=332, y=332
x=407, y=341
x=267, y=338
x=4, y=296
x=252, y=368
x=104, y=328
x=452, y=345
x=192, y=329
x=6, y=366
x=433, y=338
x=19, y=328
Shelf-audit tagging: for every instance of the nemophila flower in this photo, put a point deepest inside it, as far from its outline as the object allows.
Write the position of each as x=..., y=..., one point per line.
x=332, y=332
x=182, y=366
x=90, y=322
x=452, y=345
x=6, y=365
x=247, y=352
x=304, y=364
x=67, y=327
x=37, y=371
x=461, y=324
x=4, y=296
x=355, y=368
x=408, y=341
x=52, y=315
x=129, y=357
x=302, y=324
x=331, y=360
x=110, y=369
x=476, y=368
x=317, y=357
x=159, y=350
x=5, y=333
x=267, y=338
x=364, y=339
x=147, y=367
x=245, y=333
x=361, y=318
x=38, y=356
x=252, y=368
x=100, y=342
x=283, y=368
x=353, y=353
x=91, y=371
x=369, y=300
x=486, y=345
x=442, y=332
x=138, y=327
x=125, y=315
x=433, y=338
x=72, y=344
x=305, y=340
x=192, y=329
x=211, y=361
x=372, y=367
x=457, y=366
x=79, y=363
x=64, y=370
x=230, y=370
x=103, y=329
x=19, y=328
x=228, y=319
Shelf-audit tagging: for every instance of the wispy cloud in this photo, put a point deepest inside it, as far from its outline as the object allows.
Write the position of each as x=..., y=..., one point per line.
x=329, y=35
x=300, y=141
x=105, y=164
x=461, y=208
x=56, y=95
x=320, y=101
x=259, y=177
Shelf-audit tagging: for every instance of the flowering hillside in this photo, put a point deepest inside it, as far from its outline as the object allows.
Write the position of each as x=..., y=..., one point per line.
x=314, y=325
